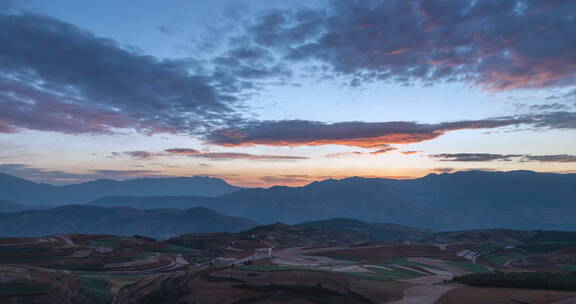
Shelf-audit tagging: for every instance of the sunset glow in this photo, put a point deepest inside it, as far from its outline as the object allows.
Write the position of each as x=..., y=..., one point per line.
x=278, y=93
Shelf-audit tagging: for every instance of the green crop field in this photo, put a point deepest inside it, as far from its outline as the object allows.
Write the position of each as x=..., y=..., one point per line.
x=23, y=288
x=408, y=263
x=567, y=267
x=386, y=275
x=546, y=247
x=93, y=288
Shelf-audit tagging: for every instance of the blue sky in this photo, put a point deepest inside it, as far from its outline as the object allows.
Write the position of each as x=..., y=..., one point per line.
x=255, y=91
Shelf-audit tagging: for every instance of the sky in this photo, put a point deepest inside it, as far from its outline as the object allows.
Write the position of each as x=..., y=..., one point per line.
x=267, y=92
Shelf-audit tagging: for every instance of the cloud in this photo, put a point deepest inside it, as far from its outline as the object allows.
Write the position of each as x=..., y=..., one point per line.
x=184, y=151
x=371, y=135
x=144, y=155
x=384, y=149
x=499, y=45
x=554, y=120
x=247, y=156
x=251, y=62
x=410, y=152
x=86, y=84
x=374, y=135
x=486, y=157
x=63, y=177
x=549, y=107
x=344, y=154
x=474, y=157
x=125, y=174
x=559, y=158
x=546, y=108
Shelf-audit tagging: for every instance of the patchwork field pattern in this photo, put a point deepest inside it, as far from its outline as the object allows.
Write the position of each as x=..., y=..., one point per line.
x=269, y=265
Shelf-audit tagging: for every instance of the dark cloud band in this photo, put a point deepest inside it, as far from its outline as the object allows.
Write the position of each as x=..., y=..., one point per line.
x=373, y=135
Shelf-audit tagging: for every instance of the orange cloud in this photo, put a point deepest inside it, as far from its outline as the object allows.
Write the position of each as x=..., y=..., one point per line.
x=343, y=154
x=370, y=135
x=366, y=142
x=184, y=151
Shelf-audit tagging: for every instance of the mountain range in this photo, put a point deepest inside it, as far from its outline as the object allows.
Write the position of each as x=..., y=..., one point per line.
x=30, y=193
x=455, y=201
x=462, y=200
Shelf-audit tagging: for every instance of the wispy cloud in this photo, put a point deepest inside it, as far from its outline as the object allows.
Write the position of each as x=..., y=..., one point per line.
x=475, y=157
x=222, y=156
x=64, y=177
x=183, y=151
x=558, y=158
x=247, y=156
x=143, y=155
x=487, y=157
x=409, y=152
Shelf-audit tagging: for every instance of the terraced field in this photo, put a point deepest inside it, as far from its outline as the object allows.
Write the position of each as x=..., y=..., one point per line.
x=224, y=268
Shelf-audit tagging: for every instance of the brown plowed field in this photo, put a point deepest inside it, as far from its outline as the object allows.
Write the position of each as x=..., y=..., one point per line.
x=476, y=295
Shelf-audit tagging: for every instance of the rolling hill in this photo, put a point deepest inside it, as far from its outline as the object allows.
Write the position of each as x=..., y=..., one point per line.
x=82, y=219
x=380, y=231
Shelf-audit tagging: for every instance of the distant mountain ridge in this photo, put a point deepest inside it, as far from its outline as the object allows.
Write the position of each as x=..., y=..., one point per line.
x=26, y=192
x=8, y=206
x=83, y=219
x=462, y=200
